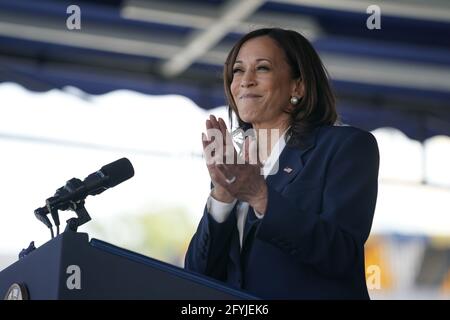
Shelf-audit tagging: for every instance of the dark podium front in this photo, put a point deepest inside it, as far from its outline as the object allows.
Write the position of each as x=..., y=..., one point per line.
x=72, y=267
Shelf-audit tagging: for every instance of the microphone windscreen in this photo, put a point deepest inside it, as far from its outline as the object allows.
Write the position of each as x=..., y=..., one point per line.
x=118, y=171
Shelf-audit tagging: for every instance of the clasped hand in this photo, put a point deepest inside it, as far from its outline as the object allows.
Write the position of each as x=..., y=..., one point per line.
x=233, y=176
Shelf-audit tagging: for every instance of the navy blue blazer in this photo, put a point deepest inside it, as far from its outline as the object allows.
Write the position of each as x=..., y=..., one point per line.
x=310, y=242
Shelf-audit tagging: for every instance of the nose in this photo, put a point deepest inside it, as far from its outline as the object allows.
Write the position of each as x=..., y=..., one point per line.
x=248, y=79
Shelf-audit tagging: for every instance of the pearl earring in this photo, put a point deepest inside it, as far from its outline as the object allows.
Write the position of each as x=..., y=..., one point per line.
x=294, y=100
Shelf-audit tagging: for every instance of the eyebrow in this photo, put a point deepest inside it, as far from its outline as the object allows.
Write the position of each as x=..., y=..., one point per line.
x=258, y=60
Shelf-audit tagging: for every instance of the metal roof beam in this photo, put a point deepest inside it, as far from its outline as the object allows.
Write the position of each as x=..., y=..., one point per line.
x=197, y=16
x=110, y=39
x=91, y=37
x=174, y=13
x=434, y=10
x=201, y=41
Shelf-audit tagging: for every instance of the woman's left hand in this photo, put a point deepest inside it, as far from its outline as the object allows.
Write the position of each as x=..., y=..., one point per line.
x=244, y=180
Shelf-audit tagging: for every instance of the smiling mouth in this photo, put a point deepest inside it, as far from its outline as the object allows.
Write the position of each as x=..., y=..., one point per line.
x=250, y=96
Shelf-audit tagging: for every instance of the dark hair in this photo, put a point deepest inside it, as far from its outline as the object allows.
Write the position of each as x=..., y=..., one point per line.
x=316, y=107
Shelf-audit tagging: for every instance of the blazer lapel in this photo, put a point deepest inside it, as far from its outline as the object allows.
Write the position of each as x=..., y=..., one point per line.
x=250, y=221
x=235, y=253
x=291, y=162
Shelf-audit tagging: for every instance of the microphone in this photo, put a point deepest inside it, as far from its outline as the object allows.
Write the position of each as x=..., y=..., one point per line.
x=107, y=177
x=76, y=190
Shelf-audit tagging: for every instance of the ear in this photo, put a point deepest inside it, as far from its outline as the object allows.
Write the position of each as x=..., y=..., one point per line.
x=298, y=88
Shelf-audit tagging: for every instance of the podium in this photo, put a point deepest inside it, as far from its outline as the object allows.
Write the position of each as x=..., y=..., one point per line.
x=72, y=267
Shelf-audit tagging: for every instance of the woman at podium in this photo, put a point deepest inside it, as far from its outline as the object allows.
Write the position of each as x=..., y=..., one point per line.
x=290, y=211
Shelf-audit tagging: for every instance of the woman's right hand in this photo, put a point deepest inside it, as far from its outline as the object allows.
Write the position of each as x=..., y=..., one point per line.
x=217, y=143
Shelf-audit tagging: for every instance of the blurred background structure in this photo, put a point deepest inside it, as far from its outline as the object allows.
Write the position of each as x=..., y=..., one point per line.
x=139, y=78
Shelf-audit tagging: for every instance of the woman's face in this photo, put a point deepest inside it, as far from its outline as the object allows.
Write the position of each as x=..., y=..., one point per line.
x=262, y=84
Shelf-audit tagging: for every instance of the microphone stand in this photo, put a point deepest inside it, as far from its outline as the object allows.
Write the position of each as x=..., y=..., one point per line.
x=82, y=214
x=58, y=202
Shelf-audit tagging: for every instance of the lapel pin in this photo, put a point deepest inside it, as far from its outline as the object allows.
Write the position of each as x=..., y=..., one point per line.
x=287, y=169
